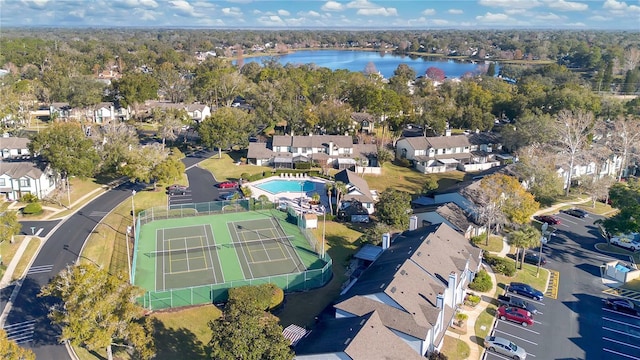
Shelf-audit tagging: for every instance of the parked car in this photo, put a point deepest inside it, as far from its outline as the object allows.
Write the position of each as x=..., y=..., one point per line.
x=627, y=241
x=623, y=305
x=551, y=220
x=504, y=347
x=526, y=290
x=521, y=316
x=515, y=301
x=176, y=189
x=231, y=196
x=579, y=213
x=228, y=185
x=531, y=257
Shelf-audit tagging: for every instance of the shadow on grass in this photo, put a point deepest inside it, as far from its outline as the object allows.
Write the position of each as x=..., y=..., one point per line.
x=177, y=344
x=477, y=340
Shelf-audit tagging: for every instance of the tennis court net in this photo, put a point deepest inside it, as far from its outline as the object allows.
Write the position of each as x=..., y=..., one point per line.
x=285, y=240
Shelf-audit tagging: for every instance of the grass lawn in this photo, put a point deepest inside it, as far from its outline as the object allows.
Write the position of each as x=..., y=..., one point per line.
x=301, y=308
x=8, y=251
x=29, y=252
x=405, y=179
x=226, y=168
x=607, y=248
x=455, y=349
x=495, y=244
x=106, y=243
x=526, y=275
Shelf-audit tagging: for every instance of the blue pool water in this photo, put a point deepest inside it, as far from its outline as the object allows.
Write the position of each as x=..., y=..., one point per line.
x=622, y=268
x=280, y=186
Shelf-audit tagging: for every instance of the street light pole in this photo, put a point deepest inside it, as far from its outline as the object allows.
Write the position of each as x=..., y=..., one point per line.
x=543, y=240
x=133, y=209
x=324, y=225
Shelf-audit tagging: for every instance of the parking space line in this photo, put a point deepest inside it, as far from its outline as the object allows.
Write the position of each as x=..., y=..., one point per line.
x=620, y=354
x=620, y=312
x=519, y=325
x=620, y=342
x=620, y=332
x=554, y=284
x=620, y=322
x=527, y=299
x=625, y=293
x=516, y=337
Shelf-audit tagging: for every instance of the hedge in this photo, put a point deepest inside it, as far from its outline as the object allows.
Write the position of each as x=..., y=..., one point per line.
x=482, y=282
x=32, y=209
x=501, y=265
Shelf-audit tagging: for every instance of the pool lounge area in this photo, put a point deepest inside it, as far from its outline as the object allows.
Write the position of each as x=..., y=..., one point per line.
x=296, y=191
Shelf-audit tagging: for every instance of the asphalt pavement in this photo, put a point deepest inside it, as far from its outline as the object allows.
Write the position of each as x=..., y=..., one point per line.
x=28, y=316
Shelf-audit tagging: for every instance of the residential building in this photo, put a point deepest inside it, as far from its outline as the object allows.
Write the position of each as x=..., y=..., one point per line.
x=337, y=151
x=357, y=190
x=24, y=177
x=451, y=214
x=60, y=110
x=13, y=148
x=435, y=154
x=363, y=122
x=414, y=286
x=197, y=112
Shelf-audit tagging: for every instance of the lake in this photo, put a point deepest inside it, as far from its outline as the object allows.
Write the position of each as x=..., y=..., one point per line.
x=385, y=63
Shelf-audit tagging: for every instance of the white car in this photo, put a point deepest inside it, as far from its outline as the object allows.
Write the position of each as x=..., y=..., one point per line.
x=627, y=241
x=504, y=347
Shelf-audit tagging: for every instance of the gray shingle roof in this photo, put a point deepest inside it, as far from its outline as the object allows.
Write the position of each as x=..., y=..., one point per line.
x=315, y=141
x=16, y=170
x=455, y=215
x=14, y=143
x=259, y=151
x=350, y=178
x=444, y=142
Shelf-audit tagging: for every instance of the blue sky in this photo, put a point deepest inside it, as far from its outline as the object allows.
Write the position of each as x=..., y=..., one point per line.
x=332, y=14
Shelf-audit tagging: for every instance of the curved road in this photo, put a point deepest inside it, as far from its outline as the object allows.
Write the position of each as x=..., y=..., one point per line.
x=27, y=321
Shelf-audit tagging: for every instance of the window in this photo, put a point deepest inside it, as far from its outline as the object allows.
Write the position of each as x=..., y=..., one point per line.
x=25, y=183
x=3, y=182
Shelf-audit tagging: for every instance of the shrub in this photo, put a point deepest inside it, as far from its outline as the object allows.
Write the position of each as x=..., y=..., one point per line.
x=472, y=300
x=32, y=209
x=478, y=239
x=245, y=176
x=482, y=282
x=303, y=166
x=403, y=162
x=29, y=198
x=436, y=355
x=501, y=265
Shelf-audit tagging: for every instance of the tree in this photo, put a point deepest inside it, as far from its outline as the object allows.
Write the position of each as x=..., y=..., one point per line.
x=169, y=170
x=512, y=198
x=529, y=129
x=9, y=226
x=114, y=141
x=374, y=234
x=66, y=147
x=171, y=120
x=225, y=128
x=245, y=331
x=329, y=186
x=491, y=69
x=383, y=155
x=524, y=238
x=394, y=208
x=572, y=131
x=98, y=310
x=142, y=161
x=11, y=351
x=537, y=166
x=135, y=88
x=624, y=137
x=430, y=185
x=435, y=74
x=626, y=198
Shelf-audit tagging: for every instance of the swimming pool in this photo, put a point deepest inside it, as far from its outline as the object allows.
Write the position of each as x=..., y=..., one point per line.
x=279, y=186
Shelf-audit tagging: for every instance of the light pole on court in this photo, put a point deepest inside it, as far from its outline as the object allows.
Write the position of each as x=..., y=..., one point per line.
x=324, y=225
x=133, y=209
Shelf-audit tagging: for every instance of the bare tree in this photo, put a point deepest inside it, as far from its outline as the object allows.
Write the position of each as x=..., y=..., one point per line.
x=624, y=135
x=572, y=130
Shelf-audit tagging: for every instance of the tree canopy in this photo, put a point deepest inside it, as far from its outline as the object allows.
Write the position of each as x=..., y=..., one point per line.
x=11, y=351
x=394, y=208
x=226, y=128
x=98, y=310
x=626, y=198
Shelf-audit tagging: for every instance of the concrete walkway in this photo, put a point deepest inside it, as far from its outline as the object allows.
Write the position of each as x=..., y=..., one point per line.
x=476, y=351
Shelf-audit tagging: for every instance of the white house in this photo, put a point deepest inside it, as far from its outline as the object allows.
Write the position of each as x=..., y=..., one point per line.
x=14, y=148
x=434, y=154
x=23, y=177
x=197, y=112
x=415, y=285
x=357, y=189
x=337, y=151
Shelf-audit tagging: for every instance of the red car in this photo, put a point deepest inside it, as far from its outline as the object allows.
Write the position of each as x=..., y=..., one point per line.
x=514, y=314
x=228, y=185
x=547, y=219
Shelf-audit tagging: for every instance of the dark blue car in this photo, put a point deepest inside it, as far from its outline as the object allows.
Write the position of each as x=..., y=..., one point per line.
x=526, y=290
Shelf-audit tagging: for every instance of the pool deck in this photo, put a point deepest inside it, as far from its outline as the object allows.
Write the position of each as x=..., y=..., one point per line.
x=297, y=199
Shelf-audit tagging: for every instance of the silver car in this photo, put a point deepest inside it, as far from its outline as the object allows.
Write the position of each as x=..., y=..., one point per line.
x=504, y=347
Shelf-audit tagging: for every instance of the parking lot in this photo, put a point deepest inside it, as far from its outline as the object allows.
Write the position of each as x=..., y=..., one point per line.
x=178, y=199
x=620, y=335
x=529, y=338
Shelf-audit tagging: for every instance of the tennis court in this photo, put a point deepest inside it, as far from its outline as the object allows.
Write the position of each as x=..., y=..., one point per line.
x=219, y=251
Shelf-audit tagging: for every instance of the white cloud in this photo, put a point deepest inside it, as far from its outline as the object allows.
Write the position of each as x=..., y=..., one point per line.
x=577, y=24
x=455, y=11
x=362, y=4
x=620, y=7
x=599, y=18
x=332, y=6
x=549, y=17
x=563, y=5
x=439, y=22
x=273, y=20
x=283, y=12
x=145, y=15
x=492, y=18
x=240, y=1
x=184, y=7
x=429, y=12
x=378, y=12
x=38, y=4
x=310, y=13
x=232, y=11
x=510, y=4
x=515, y=11
x=79, y=13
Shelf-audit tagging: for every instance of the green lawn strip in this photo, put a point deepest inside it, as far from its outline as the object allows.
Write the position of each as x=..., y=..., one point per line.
x=8, y=251
x=495, y=244
x=29, y=252
x=226, y=169
x=607, y=248
x=526, y=275
x=455, y=349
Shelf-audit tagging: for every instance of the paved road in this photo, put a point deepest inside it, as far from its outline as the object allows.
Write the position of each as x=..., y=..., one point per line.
x=27, y=322
x=38, y=228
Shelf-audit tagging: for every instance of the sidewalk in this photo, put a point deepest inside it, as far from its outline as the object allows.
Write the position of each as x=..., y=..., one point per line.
x=475, y=350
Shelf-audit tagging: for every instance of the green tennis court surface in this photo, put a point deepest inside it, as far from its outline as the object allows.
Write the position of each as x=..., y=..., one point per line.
x=204, y=254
